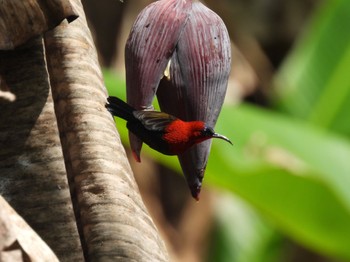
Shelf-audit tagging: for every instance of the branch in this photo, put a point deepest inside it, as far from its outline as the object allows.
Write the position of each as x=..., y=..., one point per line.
x=32, y=173
x=113, y=220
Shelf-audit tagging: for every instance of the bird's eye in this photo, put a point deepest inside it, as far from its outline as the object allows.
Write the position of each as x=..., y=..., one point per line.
x=208, y=131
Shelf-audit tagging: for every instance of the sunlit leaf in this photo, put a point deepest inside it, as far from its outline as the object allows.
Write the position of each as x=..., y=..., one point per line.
x=303, y=189
x=314, y=82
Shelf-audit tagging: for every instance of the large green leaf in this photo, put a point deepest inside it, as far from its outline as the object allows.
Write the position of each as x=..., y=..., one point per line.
x=308, y=200
x=263, y=136
x=314, y=82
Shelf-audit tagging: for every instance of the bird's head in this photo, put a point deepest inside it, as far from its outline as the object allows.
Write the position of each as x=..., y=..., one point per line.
x=203, y=132
x=210, y=133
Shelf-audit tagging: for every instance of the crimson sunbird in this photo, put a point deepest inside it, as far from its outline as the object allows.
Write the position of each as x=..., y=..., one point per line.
x=161, y=131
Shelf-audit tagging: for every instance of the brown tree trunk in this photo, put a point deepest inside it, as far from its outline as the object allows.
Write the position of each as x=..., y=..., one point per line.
x=112, y=219
x=32, y=172
x=114, y=222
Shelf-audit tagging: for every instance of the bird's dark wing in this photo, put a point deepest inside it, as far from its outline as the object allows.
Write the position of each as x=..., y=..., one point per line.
x=154, y=120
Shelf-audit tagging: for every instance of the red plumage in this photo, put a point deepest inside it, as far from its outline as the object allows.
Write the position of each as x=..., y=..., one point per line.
x=162, y=132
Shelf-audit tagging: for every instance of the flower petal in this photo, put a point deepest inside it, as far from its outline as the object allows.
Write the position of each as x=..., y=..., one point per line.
x=199, y=71
x=149, y=47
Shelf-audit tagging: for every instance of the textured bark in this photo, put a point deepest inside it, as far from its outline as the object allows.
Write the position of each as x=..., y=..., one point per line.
x=32, y=172
x=21, y=20
x=18, y=242
x=113, y=220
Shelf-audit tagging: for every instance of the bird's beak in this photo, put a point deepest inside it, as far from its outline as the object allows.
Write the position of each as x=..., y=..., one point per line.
x=216, y=135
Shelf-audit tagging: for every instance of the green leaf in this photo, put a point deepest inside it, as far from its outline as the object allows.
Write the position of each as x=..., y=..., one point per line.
x=240, y=235
x=304, y=192
x=299, y=146
x=314, y=82
x=115, y=84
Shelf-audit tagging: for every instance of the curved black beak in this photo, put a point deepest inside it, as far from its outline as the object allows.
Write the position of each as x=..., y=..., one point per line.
x=216, y=135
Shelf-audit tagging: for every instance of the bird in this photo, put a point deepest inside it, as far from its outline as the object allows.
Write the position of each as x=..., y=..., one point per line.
x=163, y=132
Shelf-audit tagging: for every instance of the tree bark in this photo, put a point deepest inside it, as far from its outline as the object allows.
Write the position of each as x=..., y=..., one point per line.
x=18, y=241
x=112, y=218
x=32, y=172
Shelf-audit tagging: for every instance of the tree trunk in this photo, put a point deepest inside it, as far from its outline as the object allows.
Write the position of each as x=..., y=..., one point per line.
x=32, y=172
x=112, y=220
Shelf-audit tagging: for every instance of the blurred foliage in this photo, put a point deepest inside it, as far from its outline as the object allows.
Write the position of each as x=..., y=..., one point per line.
x=291, y=162
x=240, y=235
x=314, y=82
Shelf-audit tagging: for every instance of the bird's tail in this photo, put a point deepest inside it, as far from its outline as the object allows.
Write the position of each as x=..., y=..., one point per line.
x=118, y=107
